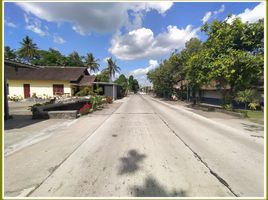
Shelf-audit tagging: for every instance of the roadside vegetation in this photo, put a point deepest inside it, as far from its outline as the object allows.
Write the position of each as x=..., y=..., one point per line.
x=232, y=57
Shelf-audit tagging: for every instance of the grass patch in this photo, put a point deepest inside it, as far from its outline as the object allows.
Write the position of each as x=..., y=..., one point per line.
x=256, y=116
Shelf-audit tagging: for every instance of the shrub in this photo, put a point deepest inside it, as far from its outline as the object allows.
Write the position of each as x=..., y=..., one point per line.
x=85, y=109
x=109, y=99
x=84, y=92
x=96, y=101
x=228, y=107
x=253, y=105
x=98, y=91
x=245, y=96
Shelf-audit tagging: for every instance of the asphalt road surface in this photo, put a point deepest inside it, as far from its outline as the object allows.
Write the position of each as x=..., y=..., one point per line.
x=142, y=148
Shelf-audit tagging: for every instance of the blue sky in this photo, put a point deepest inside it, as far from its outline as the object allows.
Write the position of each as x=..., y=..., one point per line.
x=137, y=35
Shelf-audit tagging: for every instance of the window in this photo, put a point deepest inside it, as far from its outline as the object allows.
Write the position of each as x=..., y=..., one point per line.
x=58, y=89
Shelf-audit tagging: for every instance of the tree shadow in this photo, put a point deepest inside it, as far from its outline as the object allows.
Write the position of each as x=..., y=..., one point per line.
x=20, y=121
x=252, y=128
x=152, y=188
x=130, y=164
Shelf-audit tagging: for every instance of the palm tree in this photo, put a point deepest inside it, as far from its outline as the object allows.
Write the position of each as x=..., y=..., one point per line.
x=28, y=51
x=112, y=68
x=92, y=63
x=9, y=53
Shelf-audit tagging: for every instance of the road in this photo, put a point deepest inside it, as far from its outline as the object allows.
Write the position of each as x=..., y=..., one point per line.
x=149, y=148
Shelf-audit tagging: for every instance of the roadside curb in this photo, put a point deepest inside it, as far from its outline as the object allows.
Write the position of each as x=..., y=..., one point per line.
x=209, y=122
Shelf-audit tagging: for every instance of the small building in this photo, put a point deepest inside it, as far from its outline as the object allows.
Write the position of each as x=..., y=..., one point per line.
x=27, y=81
x=110, y=89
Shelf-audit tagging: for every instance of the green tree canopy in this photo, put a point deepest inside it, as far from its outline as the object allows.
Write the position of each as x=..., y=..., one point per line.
x=123, y=81
x=28, y=51
x=91, y=62
x=74, y=59
x=112, y=68
x=103, y=76
x=10, y=53
x=51, y=57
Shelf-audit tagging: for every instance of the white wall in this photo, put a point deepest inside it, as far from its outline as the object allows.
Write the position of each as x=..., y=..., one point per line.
x=38, y=87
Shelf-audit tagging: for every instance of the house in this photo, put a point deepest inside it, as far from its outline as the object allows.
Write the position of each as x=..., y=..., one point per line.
x=28, y=80
x=212, y=93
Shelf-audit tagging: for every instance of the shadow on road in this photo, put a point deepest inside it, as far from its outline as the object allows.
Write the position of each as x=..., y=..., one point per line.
x=252, y=128
x=152, y=188
x=130, y=164
x=20, y=121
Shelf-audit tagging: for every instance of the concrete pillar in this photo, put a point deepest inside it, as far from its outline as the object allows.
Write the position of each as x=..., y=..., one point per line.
x=114, y=93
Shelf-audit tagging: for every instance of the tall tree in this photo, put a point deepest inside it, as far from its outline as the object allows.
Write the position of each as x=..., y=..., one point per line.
x=162, y=79
x=112, y=68
x=123, y=81
x=236, y=54
x=91, y=62
x=74, y=59
x=10, y=53
x=28, y=51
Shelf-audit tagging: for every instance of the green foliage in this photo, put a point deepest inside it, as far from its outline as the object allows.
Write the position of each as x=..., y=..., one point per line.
x=236, y=55
x=98, y=90
x=122, y=81
x=112, y=68
x=228, y=107
x=28, y=51
x=103, y=76
x=91, y=62
x=74, y=59
x=96, y=101
x=10, y=53
x=232, y=56
x=51, y=57
x=245, y=96
x=84, y=92
x=253, y=105
x=133, y=84
x=162, y=79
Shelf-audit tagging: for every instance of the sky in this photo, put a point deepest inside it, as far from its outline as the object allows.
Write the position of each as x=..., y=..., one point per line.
x=137, y=35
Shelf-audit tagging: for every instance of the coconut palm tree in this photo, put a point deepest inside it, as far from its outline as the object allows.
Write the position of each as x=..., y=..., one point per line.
x=91, y=62
x=28, y=50
x=112, y=68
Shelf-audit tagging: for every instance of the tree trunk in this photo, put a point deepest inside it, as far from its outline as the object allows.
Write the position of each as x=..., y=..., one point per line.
x=193, y=95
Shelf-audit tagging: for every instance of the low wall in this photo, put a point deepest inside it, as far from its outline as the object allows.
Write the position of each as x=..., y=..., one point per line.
x=58, y=110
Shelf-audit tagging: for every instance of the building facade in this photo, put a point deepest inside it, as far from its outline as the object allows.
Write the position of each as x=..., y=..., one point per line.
x=44, y=81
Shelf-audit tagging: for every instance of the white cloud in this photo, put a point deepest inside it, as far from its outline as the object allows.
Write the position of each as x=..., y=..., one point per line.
x=141, y=73
x=58, y=39
x=221, y=10
x=251, y=15
x=98, y=17
x=9, y=23
x=141, y=43
x=33, y=24
x=206, y=17
x=105, y=59
x=210, y=14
